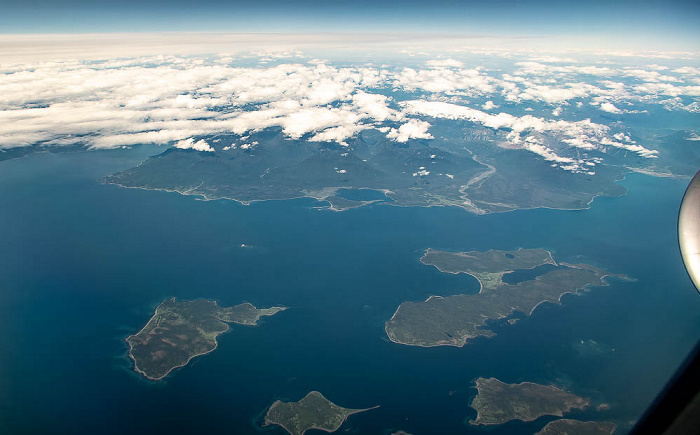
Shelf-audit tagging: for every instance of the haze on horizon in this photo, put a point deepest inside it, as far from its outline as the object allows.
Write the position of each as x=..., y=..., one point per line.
x=626, y=24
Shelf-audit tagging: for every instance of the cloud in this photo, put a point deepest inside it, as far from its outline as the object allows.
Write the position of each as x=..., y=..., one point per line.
x=657, y=67
x=610, y=108
x=159, y=137
x=523, y=130
x=200, y=145
x=471, y=82
x=677, y=104
x=413, y=129
x=422, y=172
x=116, y=103
x=540, y=69
x=374, y=106
x=557, y=84
x=555, y=94
x=445, y=63
x=688, y=70
x=535, y=146
x=338, y=134
x=649, y=76
x=171, y=100
x=553, y=59
x=516, y=124
x=650, y=154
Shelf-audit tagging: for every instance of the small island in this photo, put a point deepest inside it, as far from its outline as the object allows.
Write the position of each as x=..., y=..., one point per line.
x=488, y=267
x=454, y=320
x=497, y=402
x=312, y=412
x=575, y=427
x=180, y=331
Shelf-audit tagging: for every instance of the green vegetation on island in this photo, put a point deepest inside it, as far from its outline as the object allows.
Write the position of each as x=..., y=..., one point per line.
x=488, y=267
x=458, y=169
x=312, y=412
x=497, y=402
x=180, y=331
x=454, y=320
x=575, y=427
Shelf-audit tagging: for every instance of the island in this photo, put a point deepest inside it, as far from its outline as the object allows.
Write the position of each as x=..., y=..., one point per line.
x=497, y=402
x=182, y=330
x=488, y=267
x=455, y=320
x=312, y=412
x=470, y=171
x=575, y=427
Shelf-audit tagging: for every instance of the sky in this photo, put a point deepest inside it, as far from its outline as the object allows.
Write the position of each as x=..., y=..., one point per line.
x=676, y=22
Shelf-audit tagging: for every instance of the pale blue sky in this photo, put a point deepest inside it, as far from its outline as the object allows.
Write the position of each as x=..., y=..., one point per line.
x=675, y=21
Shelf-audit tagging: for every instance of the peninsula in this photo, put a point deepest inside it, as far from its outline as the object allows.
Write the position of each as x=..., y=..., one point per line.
x=575, y=427
x=180, y=331
x=497, y=402
x=479, y=178
x=489, y=266
x=312, y=412
x=454, y=320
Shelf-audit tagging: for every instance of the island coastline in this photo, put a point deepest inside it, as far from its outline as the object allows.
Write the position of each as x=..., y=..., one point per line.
x=193, y=339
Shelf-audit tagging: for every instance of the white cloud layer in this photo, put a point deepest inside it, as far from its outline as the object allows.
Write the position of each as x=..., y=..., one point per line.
x=610, y=108
x=413, y=129
x=584, y=135
x=180, y=100
x=445, y=63
x=190, y=144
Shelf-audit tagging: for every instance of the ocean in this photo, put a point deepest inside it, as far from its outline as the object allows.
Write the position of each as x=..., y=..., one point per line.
x=83, y=265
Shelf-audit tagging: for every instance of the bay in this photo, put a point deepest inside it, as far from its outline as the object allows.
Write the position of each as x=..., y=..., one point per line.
x=83, y=264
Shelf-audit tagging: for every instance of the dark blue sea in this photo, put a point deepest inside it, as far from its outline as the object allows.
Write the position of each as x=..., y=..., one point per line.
x=83, y=265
